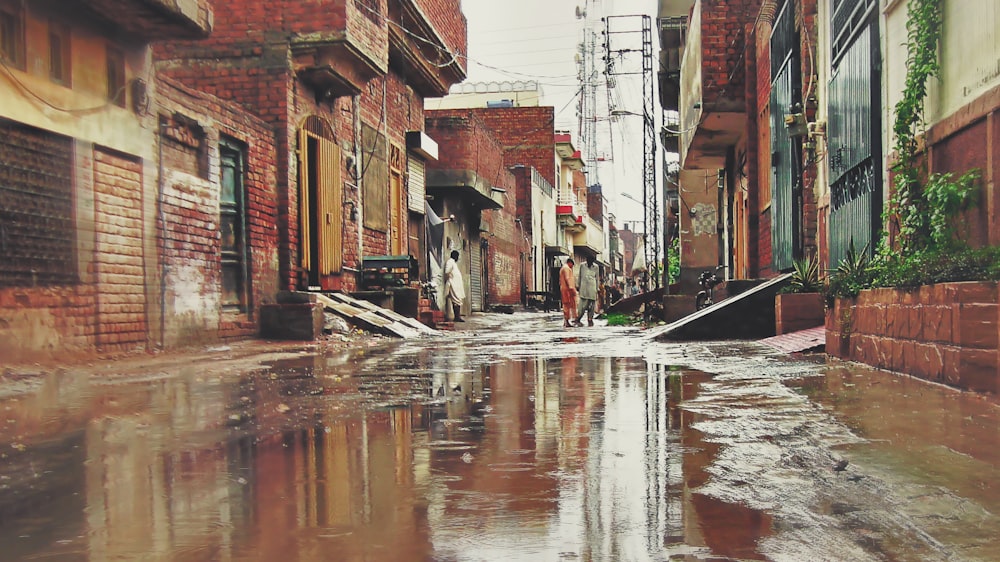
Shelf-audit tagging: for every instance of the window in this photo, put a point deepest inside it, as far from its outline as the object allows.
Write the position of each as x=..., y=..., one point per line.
x=232, y=221
x=59, y=53
x=375, y=180
x=116, y=77
x=37, y=211
x=11, y=35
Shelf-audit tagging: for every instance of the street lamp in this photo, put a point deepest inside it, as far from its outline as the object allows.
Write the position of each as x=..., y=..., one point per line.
x=650, y=204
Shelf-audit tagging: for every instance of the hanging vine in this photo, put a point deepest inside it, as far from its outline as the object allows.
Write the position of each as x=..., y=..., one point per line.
x=907, y=209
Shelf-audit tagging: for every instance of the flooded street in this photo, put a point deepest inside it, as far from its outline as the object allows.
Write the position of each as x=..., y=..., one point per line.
x=513, y=440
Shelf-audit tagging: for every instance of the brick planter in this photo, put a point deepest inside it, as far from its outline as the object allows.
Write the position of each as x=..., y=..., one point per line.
x=797, y=311
x=946, y=332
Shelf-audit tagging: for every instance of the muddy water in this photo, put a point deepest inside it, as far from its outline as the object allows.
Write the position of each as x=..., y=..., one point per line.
x=361, y=459
x=939, y=447
x=524, y=443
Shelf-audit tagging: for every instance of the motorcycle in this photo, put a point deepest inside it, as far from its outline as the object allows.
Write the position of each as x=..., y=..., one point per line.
x=708, y=280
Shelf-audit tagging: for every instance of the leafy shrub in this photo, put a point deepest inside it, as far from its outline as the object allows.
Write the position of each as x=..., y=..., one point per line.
x=805, y=276
x=939, y=265
x=853, y=274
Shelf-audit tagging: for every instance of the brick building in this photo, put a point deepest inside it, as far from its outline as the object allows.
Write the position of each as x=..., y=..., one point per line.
x=738, y=74
x=198, y=159
x=471, y=182
x=79, y=194
x=341, y=83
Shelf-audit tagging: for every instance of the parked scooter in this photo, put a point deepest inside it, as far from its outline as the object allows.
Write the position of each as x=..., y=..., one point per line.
x=708, y=280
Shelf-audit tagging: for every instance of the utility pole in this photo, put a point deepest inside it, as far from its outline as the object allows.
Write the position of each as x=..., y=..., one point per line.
x=619, y=38
x=587, y=75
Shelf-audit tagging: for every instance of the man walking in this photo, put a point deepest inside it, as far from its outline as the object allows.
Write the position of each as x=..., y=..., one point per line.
x=586, y=283
x=567, y=290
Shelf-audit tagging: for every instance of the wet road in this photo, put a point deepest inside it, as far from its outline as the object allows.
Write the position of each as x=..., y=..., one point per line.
x=514, y=440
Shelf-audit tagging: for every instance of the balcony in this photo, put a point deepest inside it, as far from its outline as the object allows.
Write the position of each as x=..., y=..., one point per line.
x=570, y=219
x=673, y=36
x=151, y=20
x=591, y=236
x=466, y=185
x=425, y=62
x=340, y=47
x=711, y=119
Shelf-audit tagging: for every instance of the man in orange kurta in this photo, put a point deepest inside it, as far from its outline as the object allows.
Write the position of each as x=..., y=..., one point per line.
x=567, y=289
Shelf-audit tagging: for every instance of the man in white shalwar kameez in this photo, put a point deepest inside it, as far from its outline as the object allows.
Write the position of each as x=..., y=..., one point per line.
x=454, y=289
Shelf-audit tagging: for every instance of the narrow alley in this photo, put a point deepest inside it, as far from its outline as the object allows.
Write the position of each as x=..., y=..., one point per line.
x=513, y=439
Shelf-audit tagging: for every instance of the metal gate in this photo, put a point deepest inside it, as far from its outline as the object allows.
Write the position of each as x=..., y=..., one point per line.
x=476, y=276
x=786, y=175
x=854, y=145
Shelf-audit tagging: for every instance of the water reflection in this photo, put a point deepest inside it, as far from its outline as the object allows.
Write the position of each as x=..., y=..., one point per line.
x=354, y=458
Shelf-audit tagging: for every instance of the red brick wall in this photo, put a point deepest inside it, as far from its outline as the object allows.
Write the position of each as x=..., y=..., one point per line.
x=723, y=25
x=246, y=60
x=466, y=143
x=946, y=333
x=526, y=134
x=118, y=266
x=190, y=244
x=959, y=153
x=453, y=30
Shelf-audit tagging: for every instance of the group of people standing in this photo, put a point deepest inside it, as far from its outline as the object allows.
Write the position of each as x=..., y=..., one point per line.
x=578, y=291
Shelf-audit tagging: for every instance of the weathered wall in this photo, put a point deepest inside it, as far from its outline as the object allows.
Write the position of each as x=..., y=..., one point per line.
x=189, y=219
x=467, y=143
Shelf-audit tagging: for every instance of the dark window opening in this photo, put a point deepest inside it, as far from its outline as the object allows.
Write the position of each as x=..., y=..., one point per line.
x=232, y=222
x=11, y=35
x=37, y=210
x=60, y=69
x=116, y=77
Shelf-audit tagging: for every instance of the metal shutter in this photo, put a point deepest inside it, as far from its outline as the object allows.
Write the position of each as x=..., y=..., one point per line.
x=416, y=186
x=476, y=277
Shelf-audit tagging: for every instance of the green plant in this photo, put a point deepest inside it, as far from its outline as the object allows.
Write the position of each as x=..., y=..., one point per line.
x=805, y=276
x=939, y=265
x=617, y=319
x=906, y=209
x=946, y=198
x=853, y=274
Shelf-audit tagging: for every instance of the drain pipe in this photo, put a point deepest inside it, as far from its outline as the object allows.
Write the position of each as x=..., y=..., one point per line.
x=163, y=231
x=358, y=166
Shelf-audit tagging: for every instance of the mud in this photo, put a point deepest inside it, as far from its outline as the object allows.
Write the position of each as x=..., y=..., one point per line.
x=513, y=439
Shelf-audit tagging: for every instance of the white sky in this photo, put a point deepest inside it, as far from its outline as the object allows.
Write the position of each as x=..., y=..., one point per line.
x=538, y=40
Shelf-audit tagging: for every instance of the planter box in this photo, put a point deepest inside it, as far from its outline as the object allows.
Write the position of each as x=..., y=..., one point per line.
x=797, y=311
x=948, y=332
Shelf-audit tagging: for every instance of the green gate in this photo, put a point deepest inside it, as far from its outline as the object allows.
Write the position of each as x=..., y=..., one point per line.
x=786, y=174
x=854, y=133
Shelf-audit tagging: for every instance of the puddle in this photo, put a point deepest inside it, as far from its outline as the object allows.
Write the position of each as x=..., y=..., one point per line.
x=426, y=456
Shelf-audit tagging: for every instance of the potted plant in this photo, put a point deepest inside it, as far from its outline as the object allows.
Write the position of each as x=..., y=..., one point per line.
x=799, y=306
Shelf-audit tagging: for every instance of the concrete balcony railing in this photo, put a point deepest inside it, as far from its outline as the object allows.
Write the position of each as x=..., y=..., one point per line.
x=340, y=46
x=591, y=236
x=153, y=20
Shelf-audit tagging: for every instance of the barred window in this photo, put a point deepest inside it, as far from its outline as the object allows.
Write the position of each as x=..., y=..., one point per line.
x=37, y=219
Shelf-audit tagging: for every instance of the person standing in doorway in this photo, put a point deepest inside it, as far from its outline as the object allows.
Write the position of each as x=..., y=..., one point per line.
x=586, y=283
x=454, y=289
x=567, y=290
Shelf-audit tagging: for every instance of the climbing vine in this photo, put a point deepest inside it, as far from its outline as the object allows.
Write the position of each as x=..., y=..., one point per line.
x=907, y=208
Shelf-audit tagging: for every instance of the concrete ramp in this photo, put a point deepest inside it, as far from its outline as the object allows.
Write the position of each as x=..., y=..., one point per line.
x=373, y=317
x=748, y=315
